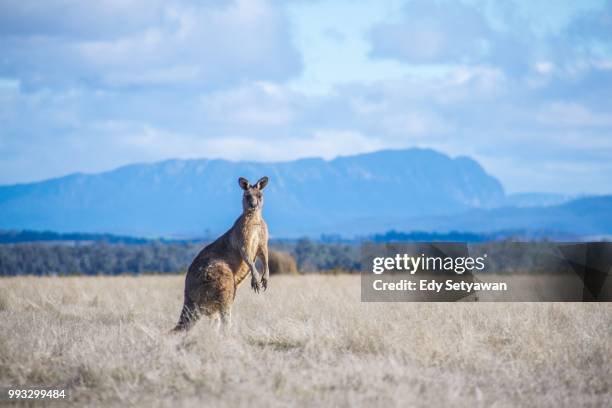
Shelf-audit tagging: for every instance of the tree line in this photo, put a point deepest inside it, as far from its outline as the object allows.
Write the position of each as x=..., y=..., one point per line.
x=102, y=258
x=305, y=255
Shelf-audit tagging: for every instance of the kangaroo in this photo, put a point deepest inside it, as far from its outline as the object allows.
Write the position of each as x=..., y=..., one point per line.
x=216, y=272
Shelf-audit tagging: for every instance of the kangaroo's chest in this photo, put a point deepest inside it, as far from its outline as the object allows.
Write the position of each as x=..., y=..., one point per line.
x=251, y=240
x=248, y=237
x=248, y=240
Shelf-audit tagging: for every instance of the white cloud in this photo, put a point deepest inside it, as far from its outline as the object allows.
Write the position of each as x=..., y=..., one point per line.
x=204, y=45
x=544, y=67
x=432, y=32
x=571, y=114
x=260, y=103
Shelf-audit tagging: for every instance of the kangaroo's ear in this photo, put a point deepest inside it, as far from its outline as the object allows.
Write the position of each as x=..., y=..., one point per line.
x=244, y=183
x=262, y=183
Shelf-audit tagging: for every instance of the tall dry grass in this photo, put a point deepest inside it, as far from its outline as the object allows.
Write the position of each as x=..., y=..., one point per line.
x=307, y=341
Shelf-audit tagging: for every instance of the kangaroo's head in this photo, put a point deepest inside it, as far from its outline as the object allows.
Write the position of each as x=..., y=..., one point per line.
x=252, y=199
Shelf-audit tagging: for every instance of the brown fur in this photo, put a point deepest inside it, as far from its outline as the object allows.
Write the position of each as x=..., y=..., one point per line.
x=216, y=272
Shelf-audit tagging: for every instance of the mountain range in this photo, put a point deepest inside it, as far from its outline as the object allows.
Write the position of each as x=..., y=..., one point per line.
x=353, y=195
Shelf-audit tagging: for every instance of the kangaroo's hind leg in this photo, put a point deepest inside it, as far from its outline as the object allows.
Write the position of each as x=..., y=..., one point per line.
x=226, y=318
x=224, y=293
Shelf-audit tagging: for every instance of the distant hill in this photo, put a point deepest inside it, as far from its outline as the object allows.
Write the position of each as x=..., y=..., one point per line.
x=536, y=199
x=588, y=217
x=202, y=197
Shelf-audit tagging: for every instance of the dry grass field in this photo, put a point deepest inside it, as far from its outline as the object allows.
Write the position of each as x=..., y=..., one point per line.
x=307, y=341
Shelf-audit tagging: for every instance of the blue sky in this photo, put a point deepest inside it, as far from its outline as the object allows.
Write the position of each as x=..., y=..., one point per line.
x=523, y=87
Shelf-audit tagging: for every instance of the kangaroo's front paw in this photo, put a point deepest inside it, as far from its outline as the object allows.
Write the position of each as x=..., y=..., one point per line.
x=255, y=285
x=264, y=282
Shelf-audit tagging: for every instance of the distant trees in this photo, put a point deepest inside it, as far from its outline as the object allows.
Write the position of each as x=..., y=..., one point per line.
x=107, y=259
x=94, y=259
x=522, y=257
x=304, y=255
x=101, y=258
x=314, y=256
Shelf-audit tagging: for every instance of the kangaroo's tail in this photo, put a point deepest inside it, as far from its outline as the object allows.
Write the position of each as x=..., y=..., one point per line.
x=189, y=315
